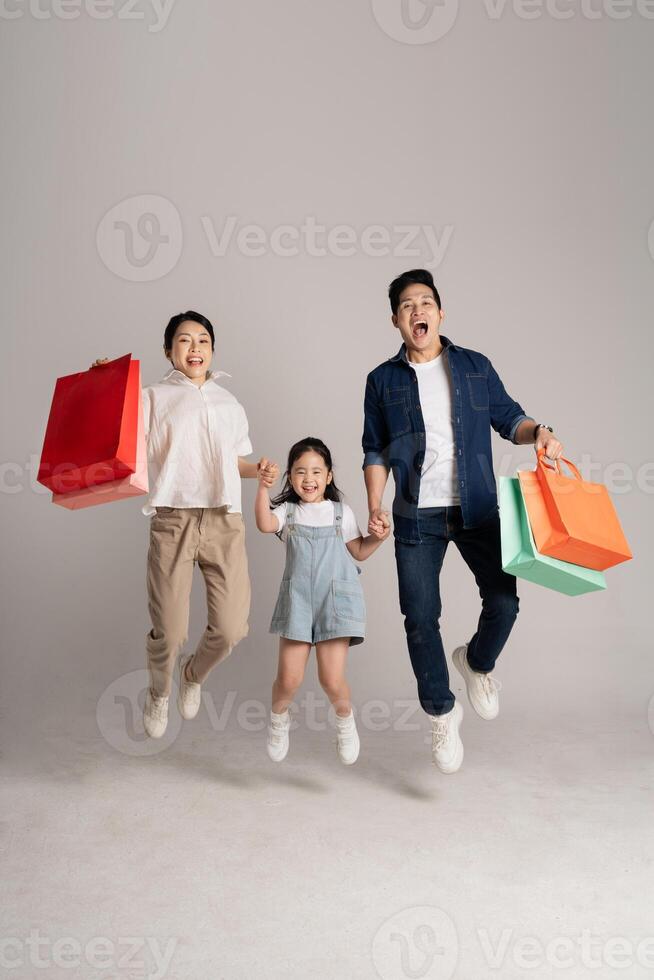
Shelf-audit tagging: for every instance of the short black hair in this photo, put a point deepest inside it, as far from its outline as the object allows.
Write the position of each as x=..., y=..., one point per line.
x=175, y=321
x=399, y=284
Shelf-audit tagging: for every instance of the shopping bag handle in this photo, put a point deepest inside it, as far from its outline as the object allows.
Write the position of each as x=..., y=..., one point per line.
x=556, y=467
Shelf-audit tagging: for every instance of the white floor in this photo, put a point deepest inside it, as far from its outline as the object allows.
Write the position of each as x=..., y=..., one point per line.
x=206, y=860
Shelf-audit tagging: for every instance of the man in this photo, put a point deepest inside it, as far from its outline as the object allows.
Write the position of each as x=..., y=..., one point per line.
x=428, y=414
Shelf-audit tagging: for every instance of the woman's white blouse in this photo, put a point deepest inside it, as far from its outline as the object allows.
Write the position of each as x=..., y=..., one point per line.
x=194, y=435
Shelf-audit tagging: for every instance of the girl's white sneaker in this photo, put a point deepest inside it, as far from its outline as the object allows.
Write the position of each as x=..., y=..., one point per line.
x=189, y=693
x=155, y=715
x=482, y=689
x=347, y=739
x=446, y=744
x=278, y=740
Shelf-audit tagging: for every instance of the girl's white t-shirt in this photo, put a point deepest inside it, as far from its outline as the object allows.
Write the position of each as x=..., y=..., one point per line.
x=320, y=514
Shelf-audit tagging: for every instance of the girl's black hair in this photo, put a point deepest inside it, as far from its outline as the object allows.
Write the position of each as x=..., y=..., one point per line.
x=308, y=445
x=175, y=321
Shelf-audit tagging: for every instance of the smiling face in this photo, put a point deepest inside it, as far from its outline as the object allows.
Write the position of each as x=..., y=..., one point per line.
x=191, y=352
x=418, y=319
x=309, y=476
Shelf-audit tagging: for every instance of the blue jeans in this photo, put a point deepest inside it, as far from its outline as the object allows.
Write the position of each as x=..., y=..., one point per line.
x=418, y=572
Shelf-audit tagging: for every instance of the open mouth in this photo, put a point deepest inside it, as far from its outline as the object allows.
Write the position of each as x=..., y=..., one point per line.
x=309, y=489
x=419, y=328
x=194, y=361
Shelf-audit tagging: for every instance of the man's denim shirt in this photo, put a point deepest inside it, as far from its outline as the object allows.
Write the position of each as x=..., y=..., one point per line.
x=394, y=432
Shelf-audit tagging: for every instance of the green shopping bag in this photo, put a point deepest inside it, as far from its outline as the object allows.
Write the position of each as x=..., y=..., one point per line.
x=519, y=554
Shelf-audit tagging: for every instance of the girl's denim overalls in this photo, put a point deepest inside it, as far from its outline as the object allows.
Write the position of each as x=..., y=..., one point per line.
x=320, y=596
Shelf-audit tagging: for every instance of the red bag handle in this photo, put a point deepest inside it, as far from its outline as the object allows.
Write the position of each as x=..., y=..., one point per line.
x=556, y=468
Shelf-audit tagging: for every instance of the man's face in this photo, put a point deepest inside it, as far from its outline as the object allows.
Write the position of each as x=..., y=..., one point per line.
x=191, y=351
x=418, y=319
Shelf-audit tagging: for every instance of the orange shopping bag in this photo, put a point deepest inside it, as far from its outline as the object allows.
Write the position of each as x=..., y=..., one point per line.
x=578, y=522
x=129, y=486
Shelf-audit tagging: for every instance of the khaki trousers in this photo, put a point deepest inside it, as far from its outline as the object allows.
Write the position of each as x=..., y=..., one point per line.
x=215, y=539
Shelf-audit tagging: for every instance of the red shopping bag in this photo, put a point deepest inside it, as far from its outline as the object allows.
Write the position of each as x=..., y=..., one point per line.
x=578, y=523
x=129, y=486
x=91, y=433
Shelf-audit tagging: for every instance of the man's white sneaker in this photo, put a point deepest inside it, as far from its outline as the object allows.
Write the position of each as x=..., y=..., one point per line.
x=189, y=694
x=155, y=715
x=481, y=688
x=446, y=744
x=278, y=735
x=347, y=739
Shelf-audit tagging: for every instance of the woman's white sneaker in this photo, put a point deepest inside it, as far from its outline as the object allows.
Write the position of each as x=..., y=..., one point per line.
x=481, y=688
x=189, y=693
x=278, y=740
x=347, y=739
x=446, y=744
x=155, y=715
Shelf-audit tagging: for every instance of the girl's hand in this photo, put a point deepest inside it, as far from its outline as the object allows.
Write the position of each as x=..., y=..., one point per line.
x=100, y=360
x=379, y=531
x=378, y=523
x=267, y=472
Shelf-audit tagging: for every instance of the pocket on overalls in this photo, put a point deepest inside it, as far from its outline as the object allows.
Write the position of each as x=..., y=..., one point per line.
x=283, y=605
x=348, y=601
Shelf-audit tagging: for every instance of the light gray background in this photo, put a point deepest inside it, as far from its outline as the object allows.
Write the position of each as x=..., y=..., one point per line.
x=530, y=138
x=527, y=137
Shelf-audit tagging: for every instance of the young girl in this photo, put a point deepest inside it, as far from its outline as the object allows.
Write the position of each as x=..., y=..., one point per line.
x=320, y=598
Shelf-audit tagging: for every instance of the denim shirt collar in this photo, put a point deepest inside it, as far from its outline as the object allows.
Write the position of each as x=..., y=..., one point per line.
x=401, y=354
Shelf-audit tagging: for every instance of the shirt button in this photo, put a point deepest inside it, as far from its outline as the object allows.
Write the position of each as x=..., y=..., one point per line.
x=458, y=419
x=462, y=483
x=457, y=391
x=459, y=452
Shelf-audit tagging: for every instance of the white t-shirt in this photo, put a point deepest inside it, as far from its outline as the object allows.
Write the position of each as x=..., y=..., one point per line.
x=195, y=435
x=438, y=480
x=320, y=514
